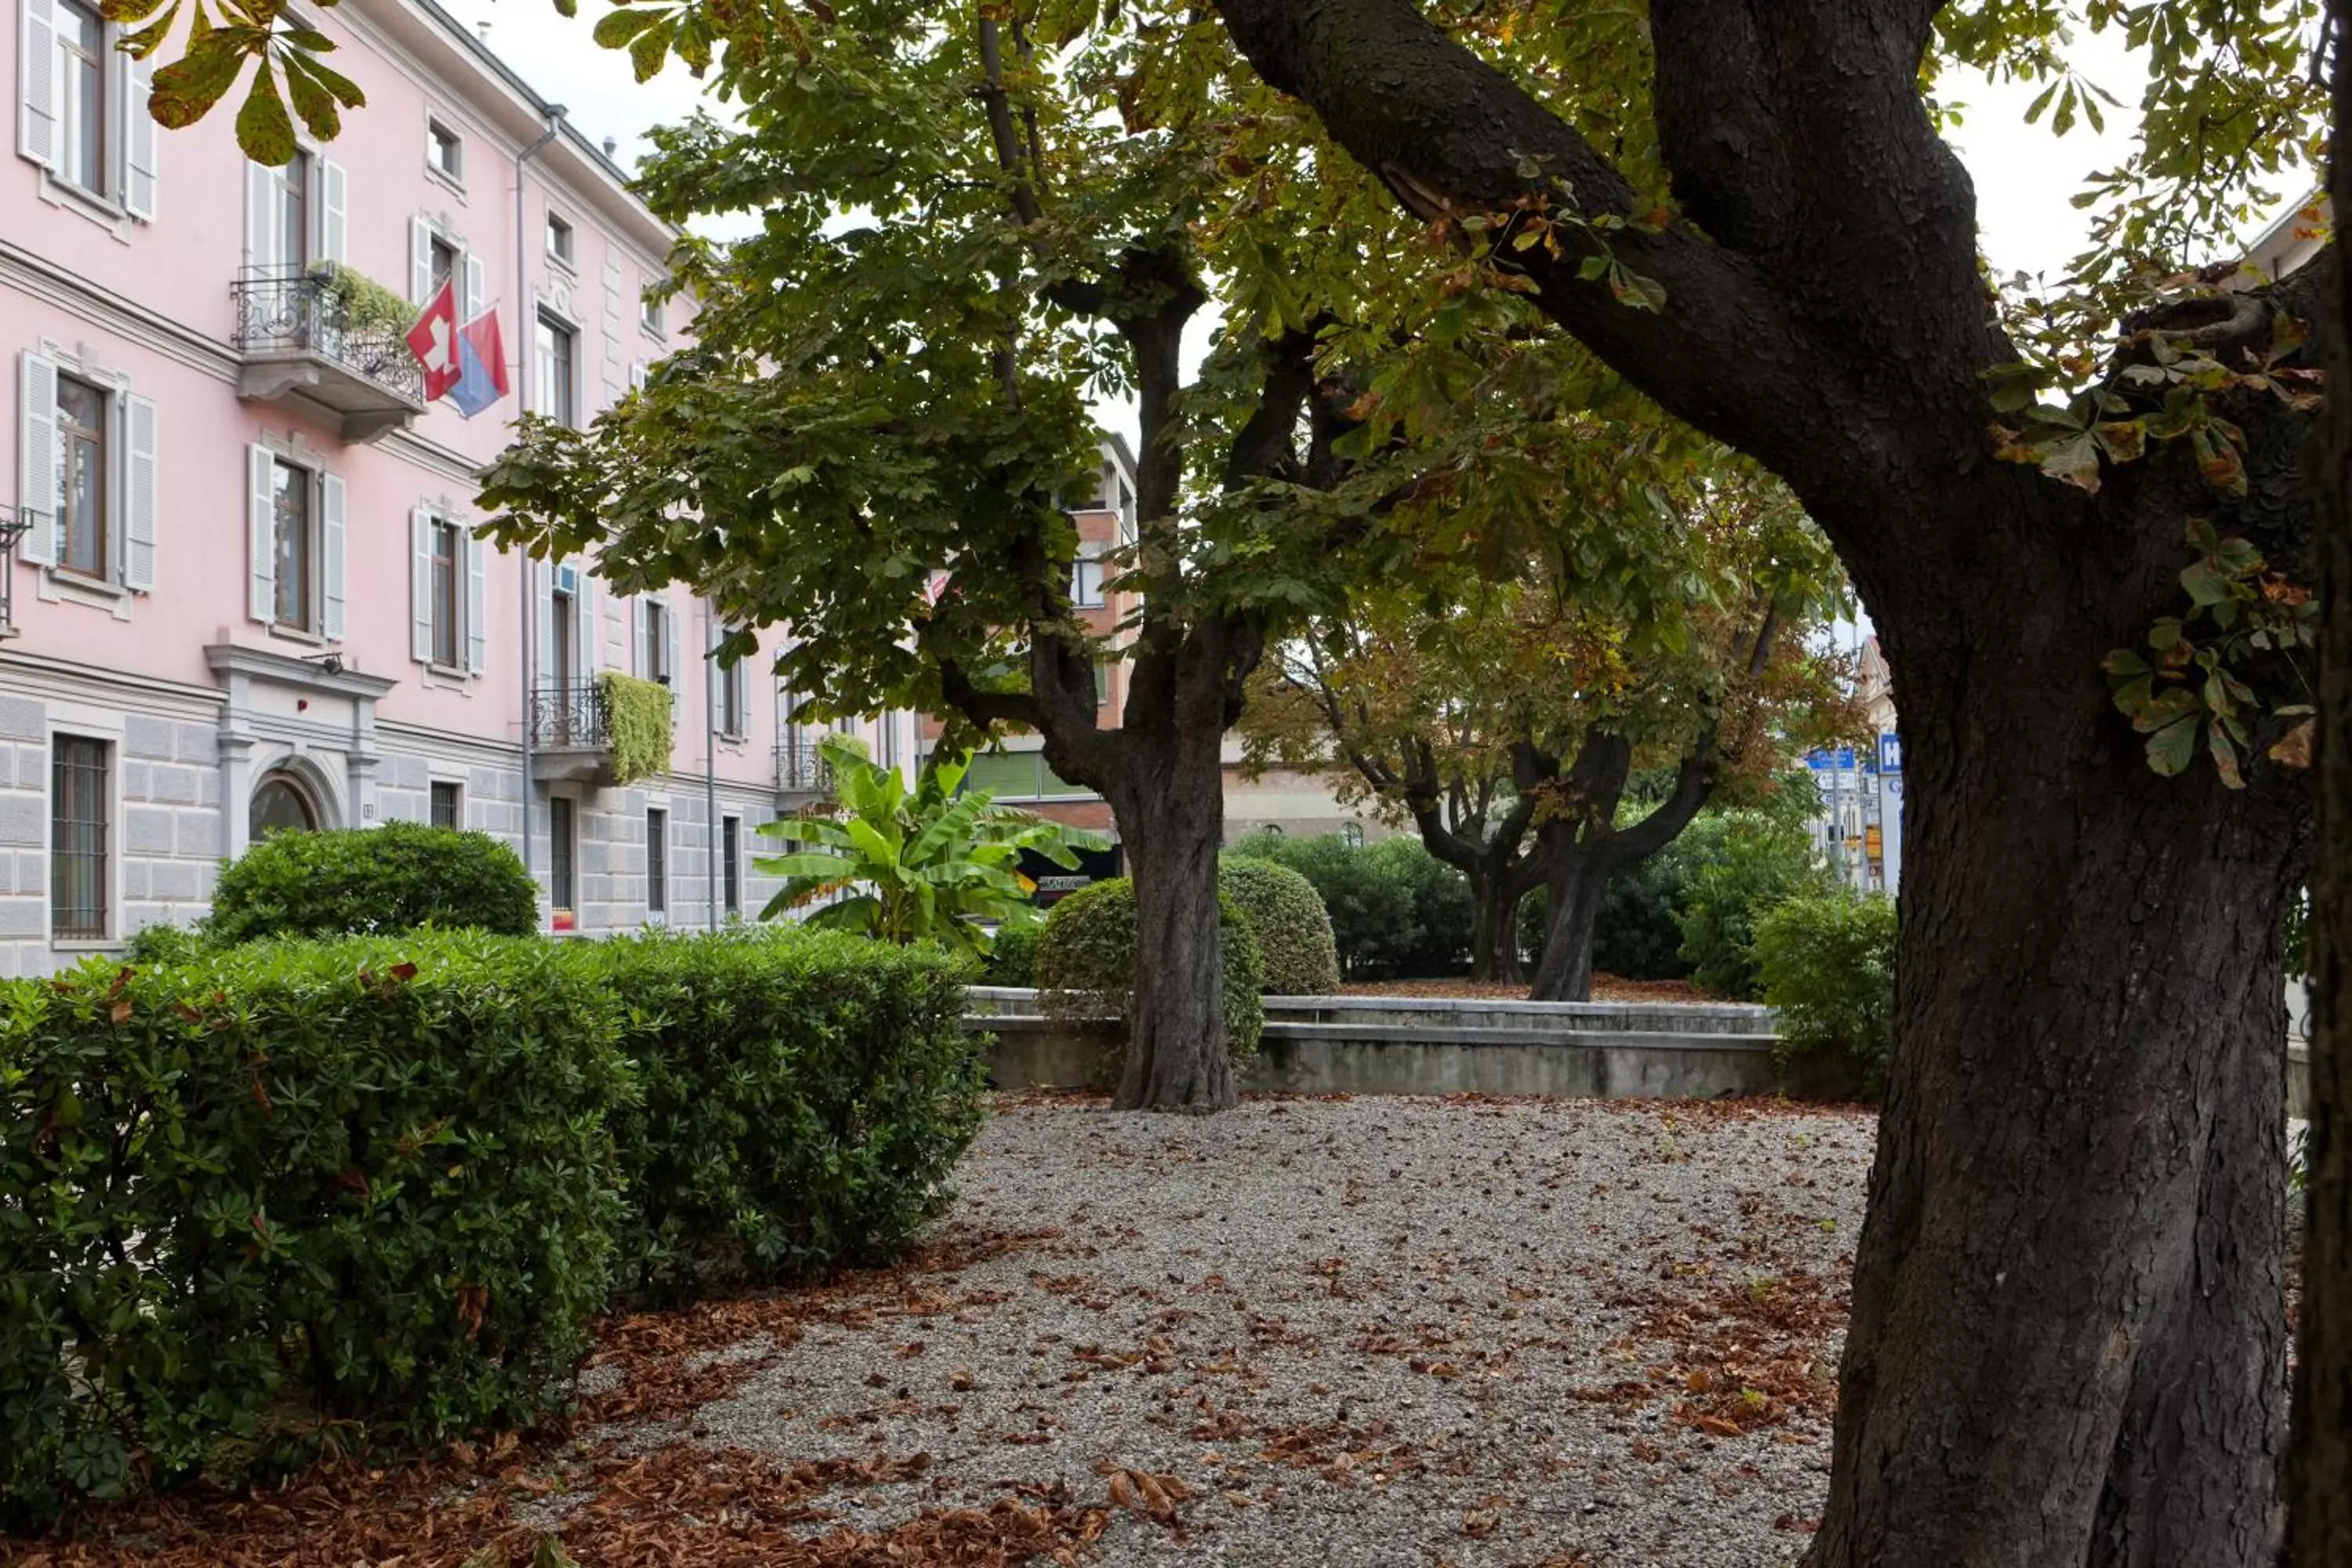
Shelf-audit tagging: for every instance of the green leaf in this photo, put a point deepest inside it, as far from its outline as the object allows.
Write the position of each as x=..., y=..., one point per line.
x=2205, y=583
x=264, y=130
x=2074, y=459
x=615, y=28
x=2169, y=749
x=183, y=90
x=650, y=48
x=2225, y=757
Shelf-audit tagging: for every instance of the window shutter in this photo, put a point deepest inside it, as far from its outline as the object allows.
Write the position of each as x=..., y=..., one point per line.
x=37, y=457
x=331, y=553
x=332, y=198
x=37, y=65
x=420, y=260
x=669, y=654
x=714, y=678
x=592, y=625
x=543, y=595
x=473, y=286
x=420, y=586
x=261, y=532
x=139, y=496
x=478, y=603
x=139, y=140
x=260, y=215
x=639, y=374
x=640, y=644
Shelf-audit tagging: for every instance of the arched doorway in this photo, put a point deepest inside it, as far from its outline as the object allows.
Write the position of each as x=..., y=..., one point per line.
x=282, y=803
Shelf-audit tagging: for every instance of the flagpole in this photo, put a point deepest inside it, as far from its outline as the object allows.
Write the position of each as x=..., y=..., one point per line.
x=526, y=655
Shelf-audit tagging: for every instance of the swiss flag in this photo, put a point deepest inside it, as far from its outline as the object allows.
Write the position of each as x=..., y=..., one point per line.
x=434, y=340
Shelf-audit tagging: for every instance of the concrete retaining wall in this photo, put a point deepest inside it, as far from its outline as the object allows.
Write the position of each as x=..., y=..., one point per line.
x=1381, y=1045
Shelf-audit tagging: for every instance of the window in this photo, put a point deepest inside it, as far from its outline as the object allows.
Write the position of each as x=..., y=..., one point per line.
x=449, y=557
x=559, y=852
x=652, y=647
x=656, y=862
x=444, y=150
x=81, y=528
x=293, y=192
x=734, y=700
x=83, y=65
x=293, y=554
x=1087, y=579
x=77, y=847
x=559, y=239
x=558, y=362
x=449, y=803
x=730, y=842
x=441, y=266
x=282, y=805
x=649, y=313
x=1102, y=683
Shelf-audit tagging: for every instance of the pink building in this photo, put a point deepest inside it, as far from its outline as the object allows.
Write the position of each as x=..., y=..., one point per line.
x=243, y=593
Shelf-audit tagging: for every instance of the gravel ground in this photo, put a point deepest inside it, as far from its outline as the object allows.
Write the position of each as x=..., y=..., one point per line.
x=1358, y=1332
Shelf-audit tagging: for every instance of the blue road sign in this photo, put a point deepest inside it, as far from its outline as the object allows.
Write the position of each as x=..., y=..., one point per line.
x=1890, y=754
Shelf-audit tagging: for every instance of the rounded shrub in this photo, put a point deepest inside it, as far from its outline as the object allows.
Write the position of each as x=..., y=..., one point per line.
x=1086, y=964
x=373, y=880
x=1292, y=929
x=1013, y=956
x=291, y=1193
x=1827, y=961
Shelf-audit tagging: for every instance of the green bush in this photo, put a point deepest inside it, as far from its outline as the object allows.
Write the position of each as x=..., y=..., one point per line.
x=286, y=1196
x=1761, y=863
x=1012, y=955
x=369, y=880
x=1294, y=933
x=163, y=943
x=1828, y=966
x=805, y=1096
x=1397, y=912
x=1086, y=963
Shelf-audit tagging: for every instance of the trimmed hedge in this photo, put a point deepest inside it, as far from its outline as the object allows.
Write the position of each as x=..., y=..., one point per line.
x=1397, y=912
x=1827, y=961
x=288, y=1196
x=1086, y=964
x=1760, y=864
x=1294, y=932
x=805, y=1096
x=367, y=880
x=1012, y=955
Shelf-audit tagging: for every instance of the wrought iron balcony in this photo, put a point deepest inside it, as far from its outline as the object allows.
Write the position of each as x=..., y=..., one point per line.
x=801, y=771
x=300, y=339
x=14, y=523
x=571, y=735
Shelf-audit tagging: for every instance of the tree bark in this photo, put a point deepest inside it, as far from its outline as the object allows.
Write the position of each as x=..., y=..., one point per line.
x=1496, y=894
x=2320, y=1472
x=2066, y=1346
x=1169, y=804
x=1576, y=881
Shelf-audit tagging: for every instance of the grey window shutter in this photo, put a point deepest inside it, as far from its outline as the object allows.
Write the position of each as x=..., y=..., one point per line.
x=334, y=197
x=641, y=646
x=477, y=602
x=331, y=555
x=670, y=653
x=715, y=677
x=36, y=458
x=261, y=216
x=543, y=597
x=420, y=586
x=139, y=139
x=420, y=260
x=36, y=67
x=261, y=532
x=473, y=301
x=141, y=496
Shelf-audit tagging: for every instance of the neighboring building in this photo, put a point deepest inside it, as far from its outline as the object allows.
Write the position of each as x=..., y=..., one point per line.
x=243, y=593
x=1015, y=771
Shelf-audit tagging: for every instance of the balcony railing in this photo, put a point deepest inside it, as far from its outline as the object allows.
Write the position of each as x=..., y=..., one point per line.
x=571, y=719
x=800, y=770
x=14, y=523
x=298, y=333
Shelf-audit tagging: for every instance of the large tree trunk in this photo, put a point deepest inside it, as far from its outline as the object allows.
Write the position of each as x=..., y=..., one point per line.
x=2067, y=1340
x=2320, y=1483
x=1496, y=894
x=1170, y=804
x=1576, y=881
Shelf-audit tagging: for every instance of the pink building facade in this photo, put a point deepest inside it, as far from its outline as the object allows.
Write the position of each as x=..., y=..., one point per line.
x=244, y=592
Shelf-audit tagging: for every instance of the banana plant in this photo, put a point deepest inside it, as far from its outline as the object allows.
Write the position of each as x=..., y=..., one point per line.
x=901, y=865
